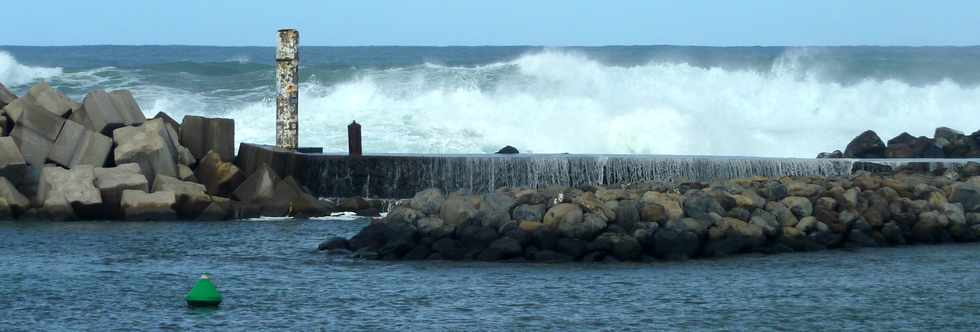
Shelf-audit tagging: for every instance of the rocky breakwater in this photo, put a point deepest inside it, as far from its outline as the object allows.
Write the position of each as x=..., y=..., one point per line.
x=103, y=159
x=687, y=220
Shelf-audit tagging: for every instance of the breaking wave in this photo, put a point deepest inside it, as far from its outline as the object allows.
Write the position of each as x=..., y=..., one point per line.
x=13, y=73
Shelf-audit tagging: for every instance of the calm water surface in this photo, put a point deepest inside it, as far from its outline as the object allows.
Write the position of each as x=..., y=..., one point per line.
x=133, y=275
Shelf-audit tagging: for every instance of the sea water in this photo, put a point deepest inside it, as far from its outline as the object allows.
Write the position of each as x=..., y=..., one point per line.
x=133, y=276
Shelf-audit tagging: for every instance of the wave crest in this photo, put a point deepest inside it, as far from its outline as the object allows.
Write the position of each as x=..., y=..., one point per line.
x=13, y=73
x=558, y=101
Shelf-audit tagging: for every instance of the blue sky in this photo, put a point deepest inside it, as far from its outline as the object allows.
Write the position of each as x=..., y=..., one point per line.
x=493, y=22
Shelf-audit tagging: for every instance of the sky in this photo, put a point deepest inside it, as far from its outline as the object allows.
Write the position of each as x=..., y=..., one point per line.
x=493, y=22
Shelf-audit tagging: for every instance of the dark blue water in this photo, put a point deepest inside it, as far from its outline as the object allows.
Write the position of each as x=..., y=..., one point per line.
x=133, y=275
x=744, y=101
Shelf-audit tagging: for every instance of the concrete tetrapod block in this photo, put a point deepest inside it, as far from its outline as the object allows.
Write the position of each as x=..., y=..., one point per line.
x=51, y=100
x=147, y=146
x=167, y=119
x=112, y=181
x=104, y=112
x=139, y=205
x=14, y=200
x=13, y=167
x=219, y=177
x=6, y=97
x=258, y=187
x=127, y=107
x=67, y=194
x=76, y=145
x=25, y=113
x=192, y=198
x=33, y=146
x=290, y=199
x=200, y=135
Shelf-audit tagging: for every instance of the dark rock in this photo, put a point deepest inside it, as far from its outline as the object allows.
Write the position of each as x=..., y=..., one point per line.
x=860, y=239
x=139, y=205
x=495, y=209
x=623, y=246
x=574, y=248
x=865, y=145
x=475, y=236
x=549, y=256
x=739, y=213
x=698, y=204
x=732, y=236
x=930, y=227
x=104, y=112
x=428, y=201
x=370, y=237
x=526, y=212
x=628, y=213
x=507, y=247
x=457, y=210
x=76, y=145
x=954, y=143
x=420, y=252
x=594, y=256
x=545, y=238
x=774, y=191
x=676, y=242
x=508, y=150
x=800, y=206
x=449, y=249
x=258, y=187
x=393, y=250
x=968, y=194
x=200, y=135
x=907, y=146
x=570, y=221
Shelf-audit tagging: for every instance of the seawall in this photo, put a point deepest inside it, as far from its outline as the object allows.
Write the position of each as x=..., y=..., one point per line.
x=401, y=176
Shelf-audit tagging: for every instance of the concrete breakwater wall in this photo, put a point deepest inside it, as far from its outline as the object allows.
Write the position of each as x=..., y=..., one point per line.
x=401, y=176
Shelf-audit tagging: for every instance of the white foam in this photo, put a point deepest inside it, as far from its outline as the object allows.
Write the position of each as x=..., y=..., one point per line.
x=13, y=74
x=558, y=101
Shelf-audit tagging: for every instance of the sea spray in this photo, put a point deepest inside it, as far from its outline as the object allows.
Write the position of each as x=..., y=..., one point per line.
x=791, y=102
x=13, y=73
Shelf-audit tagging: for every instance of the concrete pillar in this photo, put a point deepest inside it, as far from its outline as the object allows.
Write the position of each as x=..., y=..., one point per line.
x=354, y=139
x=287, y=90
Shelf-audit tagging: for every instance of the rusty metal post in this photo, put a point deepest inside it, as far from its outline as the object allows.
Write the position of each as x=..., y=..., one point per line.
x=354, y=139
x=287, y=90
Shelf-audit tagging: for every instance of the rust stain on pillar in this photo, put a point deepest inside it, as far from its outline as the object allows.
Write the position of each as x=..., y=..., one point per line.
x=287, y=89
x=354, y=139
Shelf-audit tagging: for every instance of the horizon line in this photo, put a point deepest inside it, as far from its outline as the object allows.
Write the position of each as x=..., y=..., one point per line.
x=515, y=45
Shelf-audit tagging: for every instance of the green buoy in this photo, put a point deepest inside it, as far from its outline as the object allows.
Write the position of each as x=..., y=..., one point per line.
x=204, y=294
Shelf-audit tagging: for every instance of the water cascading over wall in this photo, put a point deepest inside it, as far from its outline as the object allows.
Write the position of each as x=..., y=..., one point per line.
x=397, y=176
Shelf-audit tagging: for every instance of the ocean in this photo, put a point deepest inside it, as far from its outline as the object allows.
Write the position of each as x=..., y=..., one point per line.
x=102, y=276
x=723, y=101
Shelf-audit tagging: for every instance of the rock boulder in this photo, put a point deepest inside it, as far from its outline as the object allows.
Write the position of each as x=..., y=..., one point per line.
x=866, y=145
